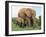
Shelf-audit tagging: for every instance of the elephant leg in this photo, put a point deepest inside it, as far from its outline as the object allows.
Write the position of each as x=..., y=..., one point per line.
x=23, y=22
x=32, y=21
x=28, y=22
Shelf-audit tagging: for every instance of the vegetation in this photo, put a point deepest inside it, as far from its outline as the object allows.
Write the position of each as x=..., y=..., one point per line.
x=36, y=26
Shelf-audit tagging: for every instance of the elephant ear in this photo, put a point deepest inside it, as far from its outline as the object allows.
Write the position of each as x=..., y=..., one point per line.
x=21, y=13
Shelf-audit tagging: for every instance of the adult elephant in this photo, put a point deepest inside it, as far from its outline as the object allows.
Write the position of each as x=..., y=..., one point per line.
x=27, y=14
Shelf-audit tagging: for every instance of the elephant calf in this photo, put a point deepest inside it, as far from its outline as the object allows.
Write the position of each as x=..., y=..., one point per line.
x=20, y=21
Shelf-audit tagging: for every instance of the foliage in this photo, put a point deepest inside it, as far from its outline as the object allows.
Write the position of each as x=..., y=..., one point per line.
x=13, y=20
x=36, y=26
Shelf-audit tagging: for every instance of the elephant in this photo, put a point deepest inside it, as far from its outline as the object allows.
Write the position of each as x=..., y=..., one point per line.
x=20, y=21
x=27, y=13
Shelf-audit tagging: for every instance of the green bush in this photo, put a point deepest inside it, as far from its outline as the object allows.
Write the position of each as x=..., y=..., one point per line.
x=14, y=20
x=39, y=20
x=36, y=25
